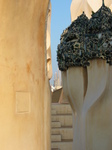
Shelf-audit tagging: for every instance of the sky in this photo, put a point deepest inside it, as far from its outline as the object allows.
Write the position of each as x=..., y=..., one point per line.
x=60, y=20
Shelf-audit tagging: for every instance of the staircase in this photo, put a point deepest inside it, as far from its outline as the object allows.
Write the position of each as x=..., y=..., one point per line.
x=61, y=127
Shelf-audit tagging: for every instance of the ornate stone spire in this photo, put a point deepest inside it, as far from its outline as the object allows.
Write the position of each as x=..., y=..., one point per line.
x=103, y=4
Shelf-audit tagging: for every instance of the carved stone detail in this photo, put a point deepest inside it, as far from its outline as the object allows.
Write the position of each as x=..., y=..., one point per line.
x=86, y=39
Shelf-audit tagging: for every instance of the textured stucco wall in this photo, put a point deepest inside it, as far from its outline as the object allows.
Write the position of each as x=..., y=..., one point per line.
x=24, y=88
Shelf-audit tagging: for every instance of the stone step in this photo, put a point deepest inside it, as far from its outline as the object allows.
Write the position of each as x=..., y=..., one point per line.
x=56, y=138
x=53, y=112
x=62, y=108
x=55, y=124
x=55, y=149
x=62, y=145
x=66, y=133
x=65, y=120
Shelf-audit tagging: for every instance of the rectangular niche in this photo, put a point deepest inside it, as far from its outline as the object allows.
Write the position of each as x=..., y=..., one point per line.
x=23, y=102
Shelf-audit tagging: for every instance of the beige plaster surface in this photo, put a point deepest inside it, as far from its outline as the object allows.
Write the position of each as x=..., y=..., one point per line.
x=48, y=44
x=24, y=88
x=89, y=93
x=78, y=6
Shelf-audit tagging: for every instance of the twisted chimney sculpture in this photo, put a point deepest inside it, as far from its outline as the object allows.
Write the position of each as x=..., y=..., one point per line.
x=85, y=58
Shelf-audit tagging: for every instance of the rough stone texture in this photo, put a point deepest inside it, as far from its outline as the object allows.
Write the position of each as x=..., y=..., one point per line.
x=86, y=39
x=71, y=48
x=22, y=69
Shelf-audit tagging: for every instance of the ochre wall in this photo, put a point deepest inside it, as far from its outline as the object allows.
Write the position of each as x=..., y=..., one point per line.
x=24, y=89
